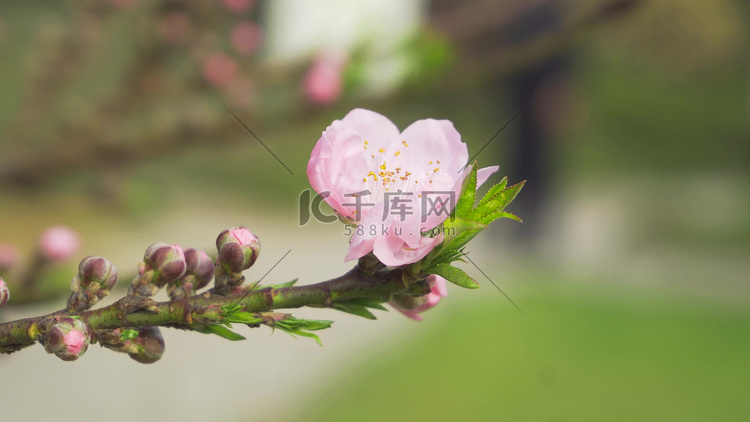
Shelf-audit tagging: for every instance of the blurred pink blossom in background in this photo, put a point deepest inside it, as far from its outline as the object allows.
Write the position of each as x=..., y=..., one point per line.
x=246, y=37
x=59, y=243
x=239, y=5
x=219, y=69
x=323, y=82
x=9, y=256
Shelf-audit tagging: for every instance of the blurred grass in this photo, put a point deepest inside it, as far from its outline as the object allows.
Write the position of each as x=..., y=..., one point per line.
x=593, y=355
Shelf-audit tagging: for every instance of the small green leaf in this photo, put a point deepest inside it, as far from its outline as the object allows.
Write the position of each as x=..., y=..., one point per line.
x=304, y=324
x=128, y=334
x=221, y=331
x=241, y=318
x=357, y=310
x=294, y=327
x=494, y=190
x=228, y=309
x=501, y=214
x=468, y=193
x=484, y=210
x=455, y=275
x=310, y=335
x=508, y=195
x=367, y=302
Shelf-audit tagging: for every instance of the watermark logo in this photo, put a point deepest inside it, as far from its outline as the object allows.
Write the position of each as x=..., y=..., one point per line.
x=397, y=207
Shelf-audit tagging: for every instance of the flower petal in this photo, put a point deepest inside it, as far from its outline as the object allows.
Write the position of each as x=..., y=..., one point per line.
x=392, y=250
x=435, y=140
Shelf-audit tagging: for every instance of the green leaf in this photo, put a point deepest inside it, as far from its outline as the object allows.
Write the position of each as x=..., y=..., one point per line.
x=296, y=327
x=241, y=318
x=220, y=331
x=508, y=195
x=468, y=193
x=304, y=324
x=228, y=309
x=310, y=335
x=501, y=214
x=484, y=210
x=357, y=310
x=367, y=302
x=455, y=275
x=494, y=190
x=128, y=334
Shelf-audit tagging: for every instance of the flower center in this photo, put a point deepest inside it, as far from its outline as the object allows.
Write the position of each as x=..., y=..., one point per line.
x=389, y=172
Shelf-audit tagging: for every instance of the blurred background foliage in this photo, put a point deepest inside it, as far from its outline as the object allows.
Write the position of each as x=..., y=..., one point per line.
x=632, y=133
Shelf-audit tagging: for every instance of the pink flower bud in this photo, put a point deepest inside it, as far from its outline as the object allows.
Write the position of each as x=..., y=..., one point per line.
x=68, y=339
x=246, y=37
x=4, y=293
x=59, y=243
x=219, y=69
x=8, y=256
x=323, y=82
x=166, y=261
x=239, y=5
x=148, y=346
x=412, y=306
x=200, y=266
x=238, y=249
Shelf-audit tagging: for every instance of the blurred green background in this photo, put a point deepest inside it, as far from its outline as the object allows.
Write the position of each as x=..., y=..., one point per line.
x=631, y=264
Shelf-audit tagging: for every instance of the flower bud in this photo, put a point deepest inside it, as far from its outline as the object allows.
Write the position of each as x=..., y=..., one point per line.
x=96, y=277
x=200, y=266
x=412, y=306
x=148, y=347
x=238, y=249
x=166, y=261
x=4, y=293
x=68, y=339
x=97, y=271
x=59, y=243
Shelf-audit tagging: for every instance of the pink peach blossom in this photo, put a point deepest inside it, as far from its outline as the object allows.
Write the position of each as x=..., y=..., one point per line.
x=59, y=243
x=323, y=82
x=362, y=163
x=246, y=37
x=438, y=290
